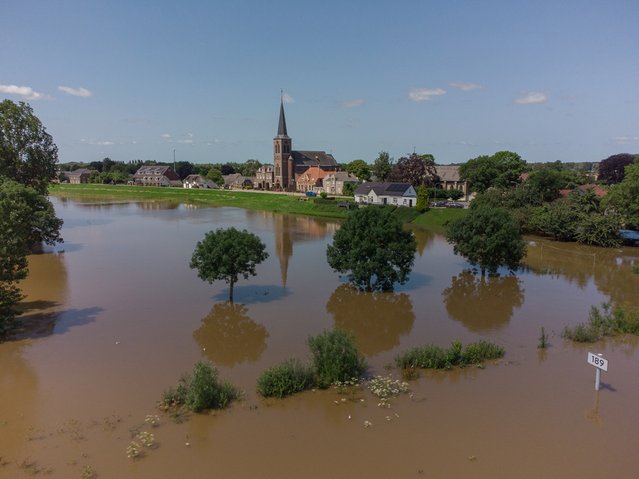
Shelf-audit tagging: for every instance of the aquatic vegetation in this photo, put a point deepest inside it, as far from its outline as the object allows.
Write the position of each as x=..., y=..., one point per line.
x=606, y=322
x=542, y=342
x=435, y=357
x=200, y=390
x=133, y=450
x=152, y=419
x=147, y=439
x=284, y=379
x=386, y=388
x=88, y=473
x=335, y=357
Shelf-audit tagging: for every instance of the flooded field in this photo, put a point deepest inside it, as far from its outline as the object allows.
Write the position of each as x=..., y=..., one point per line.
x=114, y=316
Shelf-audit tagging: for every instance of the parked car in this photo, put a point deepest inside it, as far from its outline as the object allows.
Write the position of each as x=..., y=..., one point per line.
x=438, y=204
x=452, y=204
x=311, y=193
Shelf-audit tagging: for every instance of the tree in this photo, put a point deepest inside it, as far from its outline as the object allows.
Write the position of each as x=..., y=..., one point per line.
x=183, y=169
x=373, y=248
x=225, y=254
x=488, y=238
x=623, y=198
x=383, y=166
x=360, y=169
x=502, y=170
x=348, y=189
x=612, y=169
x=415, y=169
x=27, y=152
x=544, y=184
x=215, y=175
x=421, y=204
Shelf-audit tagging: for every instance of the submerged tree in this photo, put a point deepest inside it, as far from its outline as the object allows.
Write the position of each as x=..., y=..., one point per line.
x=225, y=254
x=374, y=249
x=488, y=238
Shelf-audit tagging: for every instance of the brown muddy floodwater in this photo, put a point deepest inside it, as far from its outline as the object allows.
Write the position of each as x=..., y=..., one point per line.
x=114, y=316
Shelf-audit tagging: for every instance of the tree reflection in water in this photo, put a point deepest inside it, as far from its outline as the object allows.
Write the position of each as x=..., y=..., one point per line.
x=376, y=320
x=483, y=304
x=228, y=336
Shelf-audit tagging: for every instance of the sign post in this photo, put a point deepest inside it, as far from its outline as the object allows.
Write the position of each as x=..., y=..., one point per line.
x=600, y=364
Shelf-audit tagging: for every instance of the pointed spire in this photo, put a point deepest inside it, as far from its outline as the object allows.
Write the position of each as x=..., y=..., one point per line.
x=281, y=129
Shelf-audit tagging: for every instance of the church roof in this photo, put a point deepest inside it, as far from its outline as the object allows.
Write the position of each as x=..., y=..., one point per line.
x=313, y=158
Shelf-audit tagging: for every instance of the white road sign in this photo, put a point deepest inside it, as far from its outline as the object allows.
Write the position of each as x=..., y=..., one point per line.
x=597, y=361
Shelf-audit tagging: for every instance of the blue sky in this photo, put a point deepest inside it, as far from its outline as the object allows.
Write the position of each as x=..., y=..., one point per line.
x=139, y=79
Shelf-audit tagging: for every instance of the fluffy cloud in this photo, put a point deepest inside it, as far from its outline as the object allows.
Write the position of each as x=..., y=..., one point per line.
x=424, y=94
x=82, y=92
x=464, y=86
x=353, y=103
x=97, y=142
x=531, y=98
x=25, y=92
x=166, y=136
x=286, y=98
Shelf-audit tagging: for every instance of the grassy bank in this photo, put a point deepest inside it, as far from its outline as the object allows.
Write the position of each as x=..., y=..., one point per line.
x=277, y=203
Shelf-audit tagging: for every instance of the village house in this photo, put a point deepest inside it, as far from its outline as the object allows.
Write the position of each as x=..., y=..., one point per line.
x=238, y=181
x=198, y=181
x=449, y=179
x=397, y=194
x=264, y=177
x=311, y=179
x=333, y=183
x=79, y=176
x=159, y=175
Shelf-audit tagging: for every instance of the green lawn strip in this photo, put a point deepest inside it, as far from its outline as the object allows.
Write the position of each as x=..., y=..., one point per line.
x=439, y=217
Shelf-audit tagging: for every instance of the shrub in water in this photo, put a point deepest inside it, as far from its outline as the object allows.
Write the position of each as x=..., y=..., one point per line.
x=604, y=323
x=434, y=357
x=201, y=390
x=335, y=357
x=285, y=379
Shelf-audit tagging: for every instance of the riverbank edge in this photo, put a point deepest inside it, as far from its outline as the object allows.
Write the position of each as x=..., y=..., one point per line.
x=286, y=203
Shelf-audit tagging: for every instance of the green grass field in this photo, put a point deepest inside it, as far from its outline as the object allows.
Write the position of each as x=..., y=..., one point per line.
x=278, y=203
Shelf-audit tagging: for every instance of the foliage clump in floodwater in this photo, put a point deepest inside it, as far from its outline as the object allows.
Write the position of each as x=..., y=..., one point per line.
x=606, y=322
x=199, y=391
x=435, y=357
x=334, y=358
x=286, y=378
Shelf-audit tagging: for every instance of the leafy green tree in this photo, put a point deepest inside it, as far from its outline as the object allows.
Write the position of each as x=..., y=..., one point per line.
x=544, y=184
x=421, y=204
x=623, y=198
x=27, y=152
x=383, y=166
x=348, y=189
x=558, y=220
x=183, y=169
x=502, y=170
x=225, y=254
x=360, y=169
x=488, y=238
x=373, y=248
x=215, y=175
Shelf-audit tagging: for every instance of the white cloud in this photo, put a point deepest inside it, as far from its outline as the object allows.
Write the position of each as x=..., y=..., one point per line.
x=353, y=103
x=531, y=98
x=82, y=92
x=464, y=86
x=25, y=92
x=424, y=94
x=166, y=136
x=186, y=141
x=624, y=140
x=97, y=142
x=286, y=98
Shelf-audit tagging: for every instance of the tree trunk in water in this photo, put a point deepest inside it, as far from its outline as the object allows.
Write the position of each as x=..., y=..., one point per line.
x=231, y=293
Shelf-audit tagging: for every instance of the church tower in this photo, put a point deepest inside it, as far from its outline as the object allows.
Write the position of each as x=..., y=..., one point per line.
x=282, y=143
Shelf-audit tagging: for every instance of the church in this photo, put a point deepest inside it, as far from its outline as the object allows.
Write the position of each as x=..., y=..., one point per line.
x=294, y=170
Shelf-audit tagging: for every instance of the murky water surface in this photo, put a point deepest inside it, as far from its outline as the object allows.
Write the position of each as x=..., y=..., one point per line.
x=114, y=316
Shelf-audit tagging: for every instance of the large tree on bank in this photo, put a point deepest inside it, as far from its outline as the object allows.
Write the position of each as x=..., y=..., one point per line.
x=373, y=248
x=501, y=170
x=226, y=254
x=27, y=152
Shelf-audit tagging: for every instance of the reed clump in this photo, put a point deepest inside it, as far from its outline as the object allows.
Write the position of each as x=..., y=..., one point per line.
x=607, y=321
x=457, y=355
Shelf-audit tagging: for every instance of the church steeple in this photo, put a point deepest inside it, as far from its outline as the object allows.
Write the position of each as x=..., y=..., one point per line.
x=281, y=128
x=284, y=176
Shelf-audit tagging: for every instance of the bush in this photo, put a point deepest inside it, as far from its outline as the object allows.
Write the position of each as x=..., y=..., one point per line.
x=434, y=357
x=323, y=195
x=335, y=357
x=608, y=322
x=201, y=390
x=288, y=377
